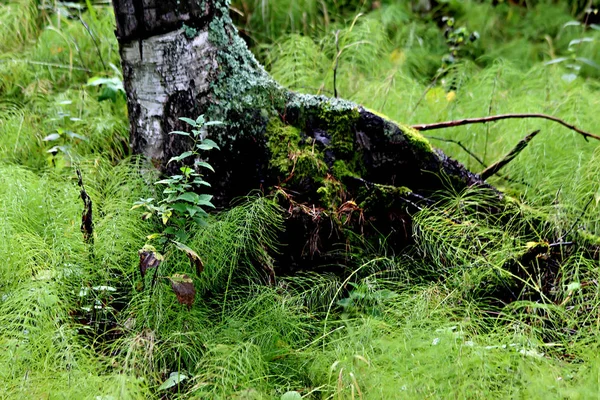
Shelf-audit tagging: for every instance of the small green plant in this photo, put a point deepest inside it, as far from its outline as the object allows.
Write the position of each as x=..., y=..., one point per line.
x=363, y=299
x=62, y=138
x=459, y=40
x=182, y=204
x=180, y=208
x=111, y=88
x=574, y=61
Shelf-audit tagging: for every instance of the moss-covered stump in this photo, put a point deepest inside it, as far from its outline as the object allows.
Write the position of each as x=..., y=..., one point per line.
x=334, y=165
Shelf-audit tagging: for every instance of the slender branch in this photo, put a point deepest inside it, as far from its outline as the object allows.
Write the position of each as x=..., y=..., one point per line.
x=462, y=146
x=87, y=28
x=476, y=157
x=337, y=47
x=494, y=168
x=467, y=121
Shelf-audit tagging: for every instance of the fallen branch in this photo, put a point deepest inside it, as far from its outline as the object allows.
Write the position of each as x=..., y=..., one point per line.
x=494, y=168
x=87, y=224
x=476, y=157
x=492, y=118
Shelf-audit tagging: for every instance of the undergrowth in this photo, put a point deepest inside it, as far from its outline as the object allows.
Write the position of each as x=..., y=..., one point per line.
x=462, y=314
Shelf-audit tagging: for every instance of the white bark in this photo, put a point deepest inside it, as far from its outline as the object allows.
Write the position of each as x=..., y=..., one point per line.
x=159, y=67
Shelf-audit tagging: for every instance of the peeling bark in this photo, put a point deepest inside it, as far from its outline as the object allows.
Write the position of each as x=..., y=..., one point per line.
x=167, y=67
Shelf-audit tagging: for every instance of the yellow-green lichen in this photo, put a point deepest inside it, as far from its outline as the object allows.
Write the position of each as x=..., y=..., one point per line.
x=412, y=135
x=416, y=139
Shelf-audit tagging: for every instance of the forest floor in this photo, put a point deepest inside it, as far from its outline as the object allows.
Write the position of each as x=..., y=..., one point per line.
x=425, y=323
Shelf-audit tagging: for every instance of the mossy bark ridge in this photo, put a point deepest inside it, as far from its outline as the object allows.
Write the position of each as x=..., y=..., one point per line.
x=186, y=58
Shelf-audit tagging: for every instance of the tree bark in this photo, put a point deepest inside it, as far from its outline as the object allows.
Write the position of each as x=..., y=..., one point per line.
x=185, y=58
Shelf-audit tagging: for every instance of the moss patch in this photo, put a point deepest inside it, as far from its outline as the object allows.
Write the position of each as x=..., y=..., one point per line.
x=416, y=139
x=293, y=154
x=331, y=192
x=383, y=196
x=340, y=125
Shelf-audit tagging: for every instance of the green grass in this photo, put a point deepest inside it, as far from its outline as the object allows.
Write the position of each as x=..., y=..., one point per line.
x=75, y=322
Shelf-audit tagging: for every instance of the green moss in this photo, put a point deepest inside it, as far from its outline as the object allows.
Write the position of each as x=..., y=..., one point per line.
x=412, y=135
x=241, y=86
x=331, y=192
x=383, y=196
x=416, y=139
x=339, y=123
x=341, y=170
x=291, y=154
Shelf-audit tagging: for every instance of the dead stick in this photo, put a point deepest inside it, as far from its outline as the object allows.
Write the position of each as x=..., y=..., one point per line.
x=87, y=224
x=337, y=48
x=492, y=118
x=494, y=168
x=462, y=146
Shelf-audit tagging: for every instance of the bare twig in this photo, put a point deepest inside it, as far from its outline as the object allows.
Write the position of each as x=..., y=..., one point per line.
x=337, y=49
x=87, y=28
x=462, y=146
x=467, y=121
x=477, y=158
x=494, y=168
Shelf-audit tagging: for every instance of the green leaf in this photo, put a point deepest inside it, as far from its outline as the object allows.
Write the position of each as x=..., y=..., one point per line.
x=189, y=196
x=174, y=379
x=211, y=142
x=179, y=207
x=580, y=40
x=291, y=395
x=165, y=182
x=211, y=123
x=193, y=210
x=189, y=121
x=195, y=259
x=74, y=135
x=186, y=170
x=205, y=197
x=207, y=144
x=180, y=133
x=205, y=165
x=200, y=181
x=557, y=60
x=181, y=156
x=200, y=120
x=205, y=200
x=51, y=137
